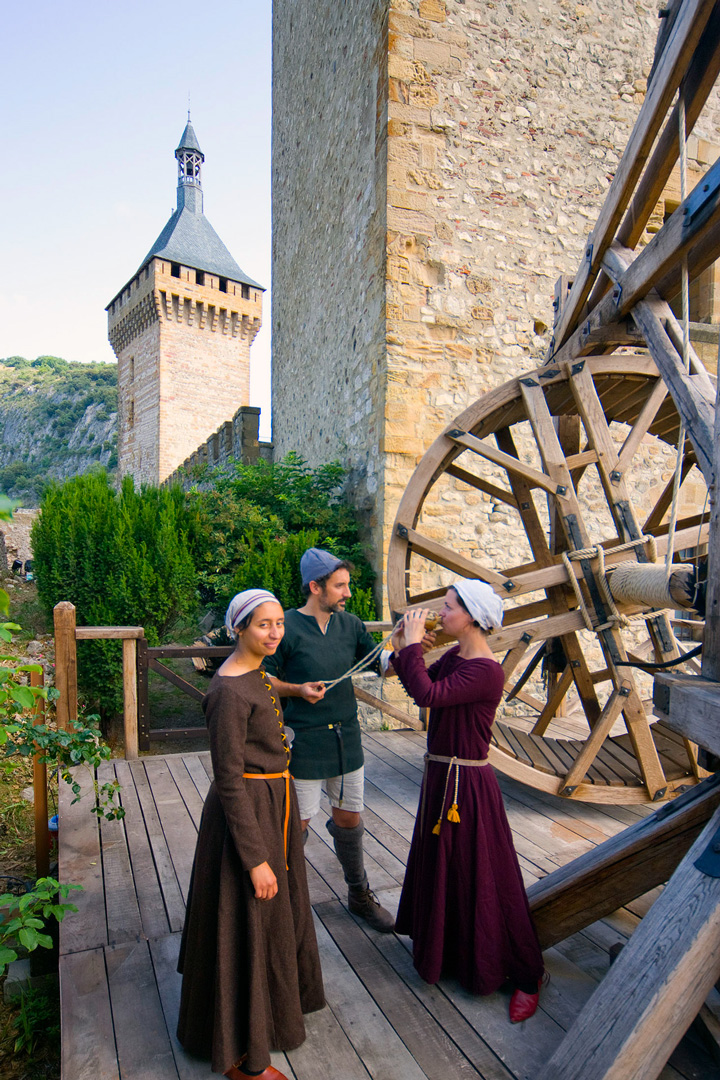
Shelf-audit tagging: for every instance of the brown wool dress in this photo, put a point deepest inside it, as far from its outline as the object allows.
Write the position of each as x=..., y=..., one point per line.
x=250, y=967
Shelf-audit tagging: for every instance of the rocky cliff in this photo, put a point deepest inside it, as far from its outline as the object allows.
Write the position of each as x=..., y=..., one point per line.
x=57, y=419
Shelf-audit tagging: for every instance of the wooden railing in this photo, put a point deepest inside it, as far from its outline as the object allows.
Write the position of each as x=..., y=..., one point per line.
x=67, y=634
x=138, y=660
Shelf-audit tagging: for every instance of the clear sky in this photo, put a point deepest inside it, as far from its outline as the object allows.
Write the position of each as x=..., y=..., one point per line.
x=95, y=98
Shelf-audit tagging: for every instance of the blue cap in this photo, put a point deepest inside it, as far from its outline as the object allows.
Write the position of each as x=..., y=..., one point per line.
x=316, y=564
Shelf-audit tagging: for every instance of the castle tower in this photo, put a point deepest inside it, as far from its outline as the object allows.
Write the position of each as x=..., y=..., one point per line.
x=181, y=329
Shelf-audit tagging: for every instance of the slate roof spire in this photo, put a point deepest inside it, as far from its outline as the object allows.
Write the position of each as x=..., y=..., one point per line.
x=189, y=238
x=189, y=158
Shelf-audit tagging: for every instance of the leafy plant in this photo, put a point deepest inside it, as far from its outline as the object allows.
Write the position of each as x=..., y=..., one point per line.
x=252, y=523
x=25, y=917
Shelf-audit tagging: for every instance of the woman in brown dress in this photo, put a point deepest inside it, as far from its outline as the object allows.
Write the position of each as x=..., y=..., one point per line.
x=248, y=956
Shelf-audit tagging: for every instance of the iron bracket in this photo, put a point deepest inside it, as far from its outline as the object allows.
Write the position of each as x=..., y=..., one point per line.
x=702, y=200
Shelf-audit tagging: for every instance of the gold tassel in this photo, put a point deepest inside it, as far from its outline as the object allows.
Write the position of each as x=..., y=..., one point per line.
x=452, y=814
x=436, y=828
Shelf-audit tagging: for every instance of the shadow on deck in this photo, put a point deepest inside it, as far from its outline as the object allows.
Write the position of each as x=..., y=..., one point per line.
x=120, y=991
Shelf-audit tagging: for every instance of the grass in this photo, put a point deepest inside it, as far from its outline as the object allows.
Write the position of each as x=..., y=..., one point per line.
x=30, y=1037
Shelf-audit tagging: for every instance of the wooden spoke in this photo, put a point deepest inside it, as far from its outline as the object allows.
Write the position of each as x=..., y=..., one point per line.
x=517, y=687
x=661, y=507
x=445, y=557
x=640, y=428
x=532, y=476
x=482, y=485
x=547, y=447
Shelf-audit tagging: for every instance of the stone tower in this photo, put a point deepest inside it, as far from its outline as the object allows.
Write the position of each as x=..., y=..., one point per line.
x=181, y=329
x=441, y=168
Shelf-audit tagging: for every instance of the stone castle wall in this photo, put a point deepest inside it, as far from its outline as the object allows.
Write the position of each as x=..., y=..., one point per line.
x=183, y=345
x=235, y=440
x=505, y=125
x=329, y=170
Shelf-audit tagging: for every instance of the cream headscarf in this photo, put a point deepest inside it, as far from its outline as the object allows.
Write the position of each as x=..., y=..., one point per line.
x=245, y=602
x=482, y=602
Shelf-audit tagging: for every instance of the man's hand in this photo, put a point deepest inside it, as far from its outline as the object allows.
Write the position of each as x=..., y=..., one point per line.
x=312, y=691
x=264, y=881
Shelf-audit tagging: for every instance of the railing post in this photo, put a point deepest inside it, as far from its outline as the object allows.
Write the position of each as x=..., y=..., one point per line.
x=40, y=802
x=130, y=701
x=65, y=663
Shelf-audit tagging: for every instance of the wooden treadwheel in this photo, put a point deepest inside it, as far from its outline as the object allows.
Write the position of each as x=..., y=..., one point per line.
x=553, y=461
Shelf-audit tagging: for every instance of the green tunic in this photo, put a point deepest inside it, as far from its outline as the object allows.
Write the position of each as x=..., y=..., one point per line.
x=327, y=735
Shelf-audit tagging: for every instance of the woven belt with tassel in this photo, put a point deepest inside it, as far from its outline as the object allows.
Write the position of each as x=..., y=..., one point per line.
x=453, y=813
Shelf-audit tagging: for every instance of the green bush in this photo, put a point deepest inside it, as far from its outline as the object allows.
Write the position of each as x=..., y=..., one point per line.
x=253, y=525
x=122, y=558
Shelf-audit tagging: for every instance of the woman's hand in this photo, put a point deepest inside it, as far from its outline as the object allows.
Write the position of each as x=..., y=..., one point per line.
x=415, y=625
x=264, y=880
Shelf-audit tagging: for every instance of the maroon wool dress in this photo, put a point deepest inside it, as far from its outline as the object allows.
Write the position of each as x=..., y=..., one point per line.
x=463, y=901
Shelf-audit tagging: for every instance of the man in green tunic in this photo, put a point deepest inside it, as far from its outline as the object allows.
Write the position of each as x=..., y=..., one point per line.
x=322, y=641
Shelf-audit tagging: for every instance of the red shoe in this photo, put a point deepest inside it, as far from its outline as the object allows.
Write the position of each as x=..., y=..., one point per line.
x=522, y=1005
x=271, y=1073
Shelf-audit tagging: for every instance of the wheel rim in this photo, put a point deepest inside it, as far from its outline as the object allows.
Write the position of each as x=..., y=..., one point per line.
x=560, y=455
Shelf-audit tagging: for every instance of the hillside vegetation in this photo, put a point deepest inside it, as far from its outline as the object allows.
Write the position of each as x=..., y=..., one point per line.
x=57, y=420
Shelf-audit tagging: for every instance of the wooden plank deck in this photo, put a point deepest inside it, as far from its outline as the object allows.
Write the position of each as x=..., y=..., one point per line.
x=120, y=990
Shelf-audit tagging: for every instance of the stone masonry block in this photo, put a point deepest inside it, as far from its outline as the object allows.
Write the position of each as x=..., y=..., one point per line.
x=434, y=53
x=432, y=10
x=410, y=221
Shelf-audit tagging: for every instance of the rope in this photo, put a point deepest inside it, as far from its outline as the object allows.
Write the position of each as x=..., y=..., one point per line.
x=366, y=662
x=598, y=552
x=682, y=140
x=430, y=624
x=644, y=584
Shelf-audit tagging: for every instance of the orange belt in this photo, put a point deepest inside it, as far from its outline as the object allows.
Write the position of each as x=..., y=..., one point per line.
x=277, y=776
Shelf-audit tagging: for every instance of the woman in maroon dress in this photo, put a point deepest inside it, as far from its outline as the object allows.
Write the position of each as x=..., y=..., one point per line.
x=463, y=901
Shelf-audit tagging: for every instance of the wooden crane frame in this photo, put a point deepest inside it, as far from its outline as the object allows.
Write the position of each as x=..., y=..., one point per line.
x=555, y=429
x=659, y=982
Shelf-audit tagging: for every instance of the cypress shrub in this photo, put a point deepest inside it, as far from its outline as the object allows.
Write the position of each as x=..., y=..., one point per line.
x=122, y=558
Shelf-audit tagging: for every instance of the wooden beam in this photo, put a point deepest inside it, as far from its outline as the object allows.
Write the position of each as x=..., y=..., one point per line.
x=692, y=402
x=443, y=556
x=655, y=988
x=671, y=68
x=111, y=633
x=621, y=869
x=65, y=664
x=391, y=710
x=533, y=477
x=130, y=703
x=711, y=640
x=176, y=680
x=690, y=705
x=697, y=83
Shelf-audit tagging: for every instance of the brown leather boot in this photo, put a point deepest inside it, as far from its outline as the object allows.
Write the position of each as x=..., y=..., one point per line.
x=365, y=904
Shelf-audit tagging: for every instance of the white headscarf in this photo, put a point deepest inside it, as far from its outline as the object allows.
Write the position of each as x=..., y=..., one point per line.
x=482, y=602
x=245, y=602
